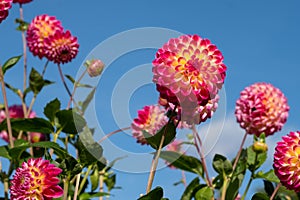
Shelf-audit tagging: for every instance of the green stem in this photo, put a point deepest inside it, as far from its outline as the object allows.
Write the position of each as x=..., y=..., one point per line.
x=75, y=87
x=251, y=179
x=6, y=188
x=112, y=133
x=76, y=186
x=84, y=179
x=224, y=189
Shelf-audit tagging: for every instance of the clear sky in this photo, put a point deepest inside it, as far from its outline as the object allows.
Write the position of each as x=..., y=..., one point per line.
x=259, y=40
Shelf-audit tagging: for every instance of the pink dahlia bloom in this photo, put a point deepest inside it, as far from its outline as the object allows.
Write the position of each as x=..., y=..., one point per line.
x=41, y=27
x=189, y=72
x=5, y=5
x=61, y=47
x=36, y=179
x=261, y=108
x=16, y=111
x=150, y=119
x=21, y=1
x=286, y=161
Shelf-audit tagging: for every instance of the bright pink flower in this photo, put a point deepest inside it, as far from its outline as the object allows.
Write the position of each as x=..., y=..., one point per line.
x=61, y=47
x=189, y=72
x=286, y=161
x=261, y=108
x=41, y=27
x=5, y=5
x=16, y=111
x=36, y=179
x=22, y=1
x=150, y=119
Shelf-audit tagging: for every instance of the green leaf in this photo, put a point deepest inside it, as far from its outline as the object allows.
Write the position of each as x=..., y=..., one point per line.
x=10, y=63
x=184, y=162
x=13, y=89
x=4, y=152
x=70, y=121
x=233, y=187
x=70, y=78
x=269, y=187
x=205, y=193
x=29, y=125
x=89, y=150
x=51, y=109
x=36, y=81
x=269, y=176
x=95, y=179
x=70, y=166
x=155, y=194
x=260, y=196
x=17, y=151
x=241, y=166
x=191, y=189
x=221, y=164
x=88, y=99
x=255, y=160
x=87, y=196
x=110, y=181
x=52, y=145
x=169, y=131
x=77, y=84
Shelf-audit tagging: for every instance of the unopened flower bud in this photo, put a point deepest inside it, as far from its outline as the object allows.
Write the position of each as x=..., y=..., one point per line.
x=260, y=147
x=94, y=67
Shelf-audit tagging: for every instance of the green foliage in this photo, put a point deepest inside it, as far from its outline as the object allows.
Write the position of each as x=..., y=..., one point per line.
x=88, y=196
x=184, y=162
x=70, y=122
x=87, y=101
x=10, y=63
x=169, y=132
x=205, y=193
x=37, y=82
x=51, y=109
x=221, y=164
x=269, y=176
x=155, y=194
x=260, y=196
x=255, y=160
x=191, y=189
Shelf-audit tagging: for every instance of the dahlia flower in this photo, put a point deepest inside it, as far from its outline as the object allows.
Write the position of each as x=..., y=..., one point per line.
x=5, y=5
x=16, y=111
x=150, y=119
x=41, y=27
x=261, y=108
x=36, y=179
x=189, y=72
x=21, y=1
x=286, y=161
x=61, y=47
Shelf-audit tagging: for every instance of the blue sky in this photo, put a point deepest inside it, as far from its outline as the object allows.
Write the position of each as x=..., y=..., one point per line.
x=259, y=40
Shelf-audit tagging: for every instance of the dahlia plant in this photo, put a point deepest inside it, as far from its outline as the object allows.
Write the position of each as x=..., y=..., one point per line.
x=188, y=73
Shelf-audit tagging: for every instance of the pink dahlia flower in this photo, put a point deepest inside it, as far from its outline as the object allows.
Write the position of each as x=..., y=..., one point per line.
x=261, y=108
x=61, y=47
x=16, y=111
x=150, y=119
x=5, y=5
x=21, y=1
x=286, y=161
x=189, y=72
x=36, y=179
x=41, y=27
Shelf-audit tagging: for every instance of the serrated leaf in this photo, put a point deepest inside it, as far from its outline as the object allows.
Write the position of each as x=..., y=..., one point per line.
x=184, y=162
x=169, y=131
x=51, y=109
x=205, y=193
x=29, y=125
x=221, y=164
x=88, y=99
x=260, y=196
x=10, y=63
x=155, y=194
x=269, y=176
x=70, y=121
x=191, y=189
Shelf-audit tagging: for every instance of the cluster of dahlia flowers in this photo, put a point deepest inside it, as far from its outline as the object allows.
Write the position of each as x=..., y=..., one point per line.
x=16, y=111
x=189, y=72
x=36, y=179
x=47, y=38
